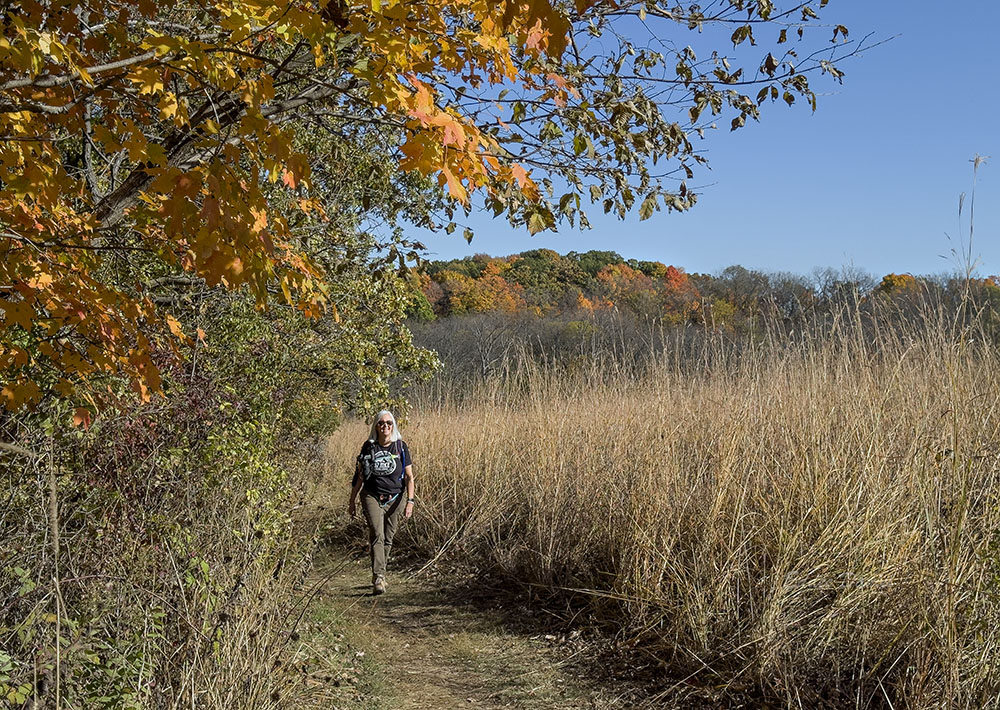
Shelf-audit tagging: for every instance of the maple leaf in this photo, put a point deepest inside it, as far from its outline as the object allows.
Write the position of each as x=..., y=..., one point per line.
x=455, y=187
x=260, y=219
x=175, y=327
x=520, y=174
x=19, y=313
x=81, y=417
x=454, y=134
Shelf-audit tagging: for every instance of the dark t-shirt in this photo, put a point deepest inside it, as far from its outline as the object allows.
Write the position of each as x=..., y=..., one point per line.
x=388, y=466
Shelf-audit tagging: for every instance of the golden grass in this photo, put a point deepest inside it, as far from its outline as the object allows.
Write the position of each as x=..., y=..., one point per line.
x=816, y=522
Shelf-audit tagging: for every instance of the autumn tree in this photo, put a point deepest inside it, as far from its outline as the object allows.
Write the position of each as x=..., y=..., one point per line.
x=163, y=133
x=625, y=287
x=897, y=283
x=681, y=297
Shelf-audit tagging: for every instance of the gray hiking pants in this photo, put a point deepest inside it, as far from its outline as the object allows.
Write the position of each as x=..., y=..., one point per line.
x=382, y=524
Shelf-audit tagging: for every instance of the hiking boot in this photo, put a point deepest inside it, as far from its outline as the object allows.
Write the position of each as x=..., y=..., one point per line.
x=379, y=586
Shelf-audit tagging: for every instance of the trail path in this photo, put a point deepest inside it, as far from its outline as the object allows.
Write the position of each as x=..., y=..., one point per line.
x=430, y=643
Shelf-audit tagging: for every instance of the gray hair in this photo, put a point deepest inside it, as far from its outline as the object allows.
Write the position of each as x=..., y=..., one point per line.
x=393, y=436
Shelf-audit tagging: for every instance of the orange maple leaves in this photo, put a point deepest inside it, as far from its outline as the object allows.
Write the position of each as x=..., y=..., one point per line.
x=133, y=133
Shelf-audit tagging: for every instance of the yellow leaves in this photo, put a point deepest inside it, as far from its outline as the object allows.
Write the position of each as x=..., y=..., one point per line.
x=260, y=219
x=319, y=55
x=420, y=153
x=41, y=281
x=211, y=216
x=164, y=44
x=311, y=205
x=149, y=80
x=154, y=154
x=257, y=92
x=19, y=394
x=178, y=208
x=455, y=187
x=45, y=42
x=18, y=313
x=103, y=135
x=421, y=102
x=453, y=133
x=441, y=141
x=12, y=358
x=175, y=326
x=172, y=109
x=118, y=133
x=84, y=76
x=48, y=350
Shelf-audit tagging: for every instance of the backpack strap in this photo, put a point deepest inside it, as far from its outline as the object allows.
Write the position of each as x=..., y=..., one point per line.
x=363, y=466
x=402, y=457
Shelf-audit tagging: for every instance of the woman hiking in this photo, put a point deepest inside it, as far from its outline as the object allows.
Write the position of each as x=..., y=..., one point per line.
x=382, y=471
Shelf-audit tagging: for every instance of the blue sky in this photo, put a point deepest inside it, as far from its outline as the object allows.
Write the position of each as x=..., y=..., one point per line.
x=871, y=180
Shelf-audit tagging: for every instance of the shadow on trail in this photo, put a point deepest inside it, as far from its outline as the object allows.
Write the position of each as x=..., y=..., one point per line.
x=490, y=634
x=465, y=634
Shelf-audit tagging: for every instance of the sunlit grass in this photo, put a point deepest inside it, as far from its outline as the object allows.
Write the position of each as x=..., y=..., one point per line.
x=814, y=521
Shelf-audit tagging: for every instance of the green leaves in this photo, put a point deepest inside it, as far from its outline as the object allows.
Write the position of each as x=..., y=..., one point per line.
x=540, y=219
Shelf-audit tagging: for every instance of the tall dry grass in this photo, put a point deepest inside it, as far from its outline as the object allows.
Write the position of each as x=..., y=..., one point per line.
x=811, y=521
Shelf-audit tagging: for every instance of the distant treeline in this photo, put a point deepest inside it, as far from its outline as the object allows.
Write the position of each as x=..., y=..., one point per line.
x=542, y=282
x=482, y=313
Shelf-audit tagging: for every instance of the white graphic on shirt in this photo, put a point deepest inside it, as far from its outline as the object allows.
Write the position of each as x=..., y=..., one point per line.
x=383, y=462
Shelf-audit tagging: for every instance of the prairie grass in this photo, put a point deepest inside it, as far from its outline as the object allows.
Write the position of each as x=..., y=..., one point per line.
x=812, y=520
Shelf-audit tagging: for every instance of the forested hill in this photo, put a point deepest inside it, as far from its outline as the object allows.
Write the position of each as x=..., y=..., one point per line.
x=545, y=283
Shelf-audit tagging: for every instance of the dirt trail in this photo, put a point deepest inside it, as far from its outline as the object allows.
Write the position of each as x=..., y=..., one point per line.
x=431, y=643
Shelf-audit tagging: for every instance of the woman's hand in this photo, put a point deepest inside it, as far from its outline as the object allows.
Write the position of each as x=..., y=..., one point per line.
x=408, y=510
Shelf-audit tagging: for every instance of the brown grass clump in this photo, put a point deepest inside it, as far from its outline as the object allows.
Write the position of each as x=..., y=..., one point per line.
x=814, y=522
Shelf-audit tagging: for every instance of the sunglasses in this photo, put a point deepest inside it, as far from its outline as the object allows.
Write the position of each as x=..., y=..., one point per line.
x=389, y=424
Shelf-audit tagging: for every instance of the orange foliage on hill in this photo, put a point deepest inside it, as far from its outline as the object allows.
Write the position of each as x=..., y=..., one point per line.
x=681, y=299
x=622, y=284
x=464, y=294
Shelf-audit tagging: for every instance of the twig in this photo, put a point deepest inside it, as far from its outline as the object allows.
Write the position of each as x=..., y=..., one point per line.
x=15, y=449
x=54, y=523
